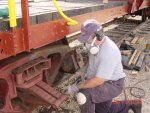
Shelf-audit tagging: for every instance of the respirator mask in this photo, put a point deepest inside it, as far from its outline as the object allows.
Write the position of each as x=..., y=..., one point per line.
x=92, y=48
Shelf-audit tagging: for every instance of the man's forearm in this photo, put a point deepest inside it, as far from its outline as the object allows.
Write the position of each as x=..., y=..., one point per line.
x=91, y=83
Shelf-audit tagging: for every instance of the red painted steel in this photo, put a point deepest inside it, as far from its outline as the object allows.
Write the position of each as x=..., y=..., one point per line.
x=49, y=94
x=49, y=32
x=46, y=33
x=8, y=77
x=5, y=40
x=148, y=12
x=31, y=73
x=10, y=44
x=18, y=40
x=10, y=92
x=26, y=23
x=24, y=76
x=41, y=34
x=3, y=92
x=135, y=5
x=144, y=4
x=36, y=36
x=139, y=3
x=100, y=16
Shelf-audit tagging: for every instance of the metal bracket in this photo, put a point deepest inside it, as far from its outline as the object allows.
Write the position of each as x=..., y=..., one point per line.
x=31, y=73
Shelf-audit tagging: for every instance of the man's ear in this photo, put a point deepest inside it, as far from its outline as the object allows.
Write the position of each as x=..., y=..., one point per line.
x=98, y=37
x=99, y=34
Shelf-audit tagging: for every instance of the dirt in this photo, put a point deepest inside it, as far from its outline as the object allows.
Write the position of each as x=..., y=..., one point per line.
x=142, y=79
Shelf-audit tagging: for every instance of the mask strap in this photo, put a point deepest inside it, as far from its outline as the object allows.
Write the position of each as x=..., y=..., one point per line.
x=93, y=41
x=101, y=42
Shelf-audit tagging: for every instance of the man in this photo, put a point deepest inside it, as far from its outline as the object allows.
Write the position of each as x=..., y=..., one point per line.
x=105, y=76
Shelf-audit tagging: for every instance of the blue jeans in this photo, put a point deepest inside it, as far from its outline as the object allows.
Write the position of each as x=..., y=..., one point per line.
x=99, y=99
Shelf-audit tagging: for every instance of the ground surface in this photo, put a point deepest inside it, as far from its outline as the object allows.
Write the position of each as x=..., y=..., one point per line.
x=131, y=79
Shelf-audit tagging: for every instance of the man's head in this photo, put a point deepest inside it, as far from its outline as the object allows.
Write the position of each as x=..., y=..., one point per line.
x=90, y=29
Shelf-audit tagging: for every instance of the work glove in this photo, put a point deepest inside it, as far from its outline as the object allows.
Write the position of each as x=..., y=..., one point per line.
x=72, y=89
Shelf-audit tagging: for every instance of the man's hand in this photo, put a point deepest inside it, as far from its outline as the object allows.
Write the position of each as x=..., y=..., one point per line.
x=72, y=89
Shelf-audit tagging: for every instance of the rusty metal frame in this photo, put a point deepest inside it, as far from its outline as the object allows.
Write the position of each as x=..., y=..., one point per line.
x=145, y=4
x=18, y=40
x=41, y=34
x=26, y=23
x=102, y=16
x=36, y=36
x=135, y=5
x=9, y=76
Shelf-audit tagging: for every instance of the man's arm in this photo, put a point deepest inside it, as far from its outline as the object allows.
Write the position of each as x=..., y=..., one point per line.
x=91, y=83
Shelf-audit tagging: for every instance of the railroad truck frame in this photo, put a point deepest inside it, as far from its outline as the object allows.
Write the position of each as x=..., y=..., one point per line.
x=33, y=57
